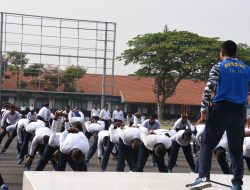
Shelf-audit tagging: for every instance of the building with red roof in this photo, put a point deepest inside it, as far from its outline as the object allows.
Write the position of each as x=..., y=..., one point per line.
x=135, y=94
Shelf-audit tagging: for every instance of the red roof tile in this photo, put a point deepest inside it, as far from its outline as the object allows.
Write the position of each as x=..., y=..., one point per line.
x=187, y=92
x=131, y=88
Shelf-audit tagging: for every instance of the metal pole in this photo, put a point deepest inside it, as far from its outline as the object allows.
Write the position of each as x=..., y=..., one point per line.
x=104, y=66
x=113, y=61
x=77, y=59
x=96, y=46
x=5, y=45
x=41, y=46
x=1, y=57
x=60, y=47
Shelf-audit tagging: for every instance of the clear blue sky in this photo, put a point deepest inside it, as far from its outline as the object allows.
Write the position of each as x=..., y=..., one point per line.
x=226, y=19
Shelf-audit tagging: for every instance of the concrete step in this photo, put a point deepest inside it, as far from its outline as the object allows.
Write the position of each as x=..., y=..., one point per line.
x=118, y=180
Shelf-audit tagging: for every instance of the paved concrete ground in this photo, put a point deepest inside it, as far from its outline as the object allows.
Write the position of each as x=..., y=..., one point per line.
x=13, y=173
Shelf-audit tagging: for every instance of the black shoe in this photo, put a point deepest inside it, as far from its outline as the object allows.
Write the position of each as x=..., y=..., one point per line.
x=237, y=187
x=4, y=187
x=20, y=161
x=27, y=168
x=200, y=183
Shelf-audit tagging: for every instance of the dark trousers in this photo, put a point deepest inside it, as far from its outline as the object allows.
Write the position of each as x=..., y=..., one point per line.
x=220, y=154
x=143, y=157
x=221, y=157
x=106, y=155
x=230, y=117
x=10, y=139
x=40, y=149
x=46, y=156
x=24, y=147
x=187, y=150
x=93, y=147
x=64, y=158
x=125, y=153
x=1, y=180
x=107, y=124
x=117, y=120
x=19, y=146
x=194, y=144
x=3, y=131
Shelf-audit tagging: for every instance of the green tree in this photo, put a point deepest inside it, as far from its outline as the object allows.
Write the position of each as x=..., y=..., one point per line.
x=244, y=53
x=34, y=70
x=169, y=57
x=16, y=63
x=70, y=74
x=17, y=59
x=52, y=78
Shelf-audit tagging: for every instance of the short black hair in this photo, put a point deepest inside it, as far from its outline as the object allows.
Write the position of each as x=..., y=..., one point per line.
x=152, y=115
x=12, y=107
x=77, y=155
x=79, y=126
x=187, y=134
x=229, y=48
x=45, y=139
x=160, y=150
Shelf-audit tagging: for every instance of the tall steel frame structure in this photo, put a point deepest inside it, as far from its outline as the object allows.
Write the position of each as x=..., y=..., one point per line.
x=60, y=42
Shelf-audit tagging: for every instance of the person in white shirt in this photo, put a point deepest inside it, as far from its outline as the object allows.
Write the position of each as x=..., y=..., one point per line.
x=117, y=115
x=65, y=116
x=73, y=146
x=53, y=144
x=32, y=115
x=105, y=116
x=44, y=114
x=8, y=125
x=152, y=123
x=29, y=131
x=246, y=147
x=38, y=143
x=220, y=153
x=153, y=144
x=95, y=112
x=102, y=144
x=166, y=132
x=21, y=129
x=23, y=110
x=182, y=123
x=182, y=140
x=138, y=119
x=129, y=142
x=130, y=119
x=246, y=144
x=93, y=127
x=113, y=140
x=75, y=116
